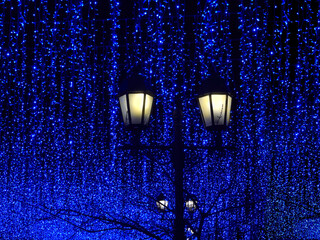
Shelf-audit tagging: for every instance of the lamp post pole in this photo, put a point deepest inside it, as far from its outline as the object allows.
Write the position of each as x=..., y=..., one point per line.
x=178, y=164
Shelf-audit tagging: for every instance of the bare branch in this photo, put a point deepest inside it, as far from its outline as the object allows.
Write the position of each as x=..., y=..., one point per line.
x=64, y=214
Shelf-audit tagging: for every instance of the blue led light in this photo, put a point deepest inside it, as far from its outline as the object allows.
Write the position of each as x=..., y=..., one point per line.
x=61, y=155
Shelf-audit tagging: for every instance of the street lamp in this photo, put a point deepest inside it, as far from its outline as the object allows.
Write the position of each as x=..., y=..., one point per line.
x=136, y=100
x=191, y=205
x=215, y=103
x=162, y=203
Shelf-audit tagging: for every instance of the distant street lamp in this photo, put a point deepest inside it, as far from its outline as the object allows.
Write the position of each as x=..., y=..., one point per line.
x=191, y=205
x=162, y=203
x=136, y=100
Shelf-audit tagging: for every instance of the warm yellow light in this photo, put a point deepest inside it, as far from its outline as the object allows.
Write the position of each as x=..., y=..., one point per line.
x=162, y=204
x=215, y=109
x=229, y=109
x=136, y=108
x=136, y=101
x=148, y=107
x=191, y=205
x=218, y=102
x=124, y=109
x=206, y=110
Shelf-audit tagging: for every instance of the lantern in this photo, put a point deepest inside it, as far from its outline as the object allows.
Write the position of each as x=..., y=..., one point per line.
x=191, y=205
x=136, y=102
x=162, y=203
x=215, y=104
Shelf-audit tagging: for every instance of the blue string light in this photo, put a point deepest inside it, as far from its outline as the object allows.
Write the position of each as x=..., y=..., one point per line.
x=62, y=137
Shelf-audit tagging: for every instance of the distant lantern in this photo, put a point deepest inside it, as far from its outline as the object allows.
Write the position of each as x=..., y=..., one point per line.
x=191, y=205
x=162, y=203
x=136, y=101
x=215, y=103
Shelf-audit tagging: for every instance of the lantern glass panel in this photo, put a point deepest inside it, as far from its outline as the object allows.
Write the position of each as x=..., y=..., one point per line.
x=206, y=110
x=124, y=109
x=229, y=109
x=136, y=101
x=148, y=107
x=219, y=108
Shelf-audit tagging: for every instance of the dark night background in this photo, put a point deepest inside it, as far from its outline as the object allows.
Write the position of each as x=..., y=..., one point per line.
x=66, y=170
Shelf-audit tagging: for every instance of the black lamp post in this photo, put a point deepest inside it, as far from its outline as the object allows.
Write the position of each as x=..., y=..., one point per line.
x=136, y=102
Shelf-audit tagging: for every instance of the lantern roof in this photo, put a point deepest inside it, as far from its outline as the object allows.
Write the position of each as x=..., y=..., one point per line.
x=213, y=83
x=192, y=197
x=135, y=81
x=161, y=197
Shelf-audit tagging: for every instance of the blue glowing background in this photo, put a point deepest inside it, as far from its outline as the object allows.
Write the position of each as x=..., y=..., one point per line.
x=63, y=171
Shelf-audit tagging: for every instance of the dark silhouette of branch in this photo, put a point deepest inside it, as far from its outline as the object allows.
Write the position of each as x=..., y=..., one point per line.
x=123, y=224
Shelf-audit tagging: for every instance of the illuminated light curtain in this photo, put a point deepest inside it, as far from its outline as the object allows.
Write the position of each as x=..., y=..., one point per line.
x=12, y=119
x=306, y=178
x=305, y=104
x=61, y=132
x=163, y=39
x=154, y=38
x=279, y=124
x=291, y=161
x=213, y=51
x=203, y=175
x=112, y=79
x=252, y=114
x=301, y=176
